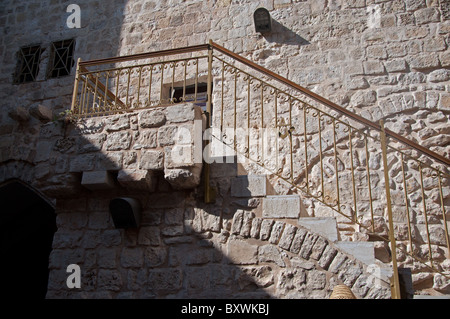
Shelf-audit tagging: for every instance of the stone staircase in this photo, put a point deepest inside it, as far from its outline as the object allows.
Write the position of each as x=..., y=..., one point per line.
x=254, y=192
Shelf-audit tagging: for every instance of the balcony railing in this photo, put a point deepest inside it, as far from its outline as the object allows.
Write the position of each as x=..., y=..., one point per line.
x=378, y=182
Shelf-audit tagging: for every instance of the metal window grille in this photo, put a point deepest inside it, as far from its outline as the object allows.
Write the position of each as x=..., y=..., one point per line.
x=28, y=64
x=61, y=58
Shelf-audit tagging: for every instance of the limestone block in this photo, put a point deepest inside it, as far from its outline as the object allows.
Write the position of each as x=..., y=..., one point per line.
x=424, y=61
x=325, y=226
x=153, y=160
x=167, y=279
x=248, y=186
x=241, y=252
x=182, y=113
x=61, y=185
x=117, y=123
x=287, y=236
x=97, y=180
x=275, y=235
x=137, y=179
x=19, y=114
x=183, y=178
x=167, y=135
x=118, y=141
x=145, y=139
x=363, y=251
x=41, y=112
x=151, y=118
x=281, y=206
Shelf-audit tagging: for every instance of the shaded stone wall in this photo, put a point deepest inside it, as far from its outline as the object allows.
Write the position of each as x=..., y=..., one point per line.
x=381, y=59
x=187, y=249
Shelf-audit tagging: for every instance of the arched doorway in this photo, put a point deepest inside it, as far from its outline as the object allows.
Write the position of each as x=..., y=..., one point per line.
x=27, y=225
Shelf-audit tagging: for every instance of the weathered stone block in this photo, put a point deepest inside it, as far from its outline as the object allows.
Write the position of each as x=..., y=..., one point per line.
x=151, y=118
x=153, y=160
x=424, y=61
x=287, y=236
x=337, y=263
x=275, y=235
x=97, y=180
x=182, y=113
x=247, y=224
x=237, y=222
x=117, y=123
x=281, y=206
x=266, y=228
x=183, y=178
x=297, y=241
x=145, y=139
x=167, y=280
x=241, y=252
x=248, y=186
x=363, y=251
x=137, y=179
x=132, y=257
x=325, y=226
x=308, y=243
x=118, y=141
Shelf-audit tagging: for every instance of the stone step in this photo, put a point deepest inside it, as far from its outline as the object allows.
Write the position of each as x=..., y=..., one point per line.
x=361, y=250
x=282, y=206
x=249, y=186
x=325, y=226
x=431, y=297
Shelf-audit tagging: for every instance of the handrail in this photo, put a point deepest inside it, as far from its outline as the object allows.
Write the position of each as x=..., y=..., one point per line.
x=147, y=85
x=146, y=55
x=330, y=104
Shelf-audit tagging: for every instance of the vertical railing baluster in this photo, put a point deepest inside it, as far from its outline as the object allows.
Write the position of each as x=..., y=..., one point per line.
x=95, y=92
x=75, y=88
x=395, y=279
x=105, y=97
x=173, y=65
x=209, y=191
x=319, y=121
x=184, y=80
x=336, y=166
x=248, y=114
x=128, y=88
x=306, y=148
x=430, y=257
x=369, y=183
x=355, y=206
x=222, y=94
x=117, y=88
x=290, y=139
x=150, y=80
x=443, y=215
x=139, y=87
x=405, y=187
x=162, y=83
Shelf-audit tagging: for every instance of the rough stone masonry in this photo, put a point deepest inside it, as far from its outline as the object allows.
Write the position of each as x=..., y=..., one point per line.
x=380, y=59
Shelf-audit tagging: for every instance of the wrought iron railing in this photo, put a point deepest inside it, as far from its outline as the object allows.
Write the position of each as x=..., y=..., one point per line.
x=380, y=183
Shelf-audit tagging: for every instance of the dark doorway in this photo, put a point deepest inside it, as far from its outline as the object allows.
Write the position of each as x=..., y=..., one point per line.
x=27, y=225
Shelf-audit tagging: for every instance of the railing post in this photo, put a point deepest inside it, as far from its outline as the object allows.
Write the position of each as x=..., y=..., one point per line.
x=209, y=192
x=75, y=87
x=395, y=284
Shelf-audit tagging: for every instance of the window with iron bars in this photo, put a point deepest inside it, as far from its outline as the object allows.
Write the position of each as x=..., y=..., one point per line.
x=61, y=59
x=28, y=64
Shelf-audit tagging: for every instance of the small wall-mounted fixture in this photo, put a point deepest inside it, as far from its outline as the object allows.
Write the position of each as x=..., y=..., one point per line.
x=125, y=212
x=262, y=20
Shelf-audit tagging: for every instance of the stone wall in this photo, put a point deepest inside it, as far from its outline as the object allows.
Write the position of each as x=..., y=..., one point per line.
x=187, y=249
x=381, y=59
